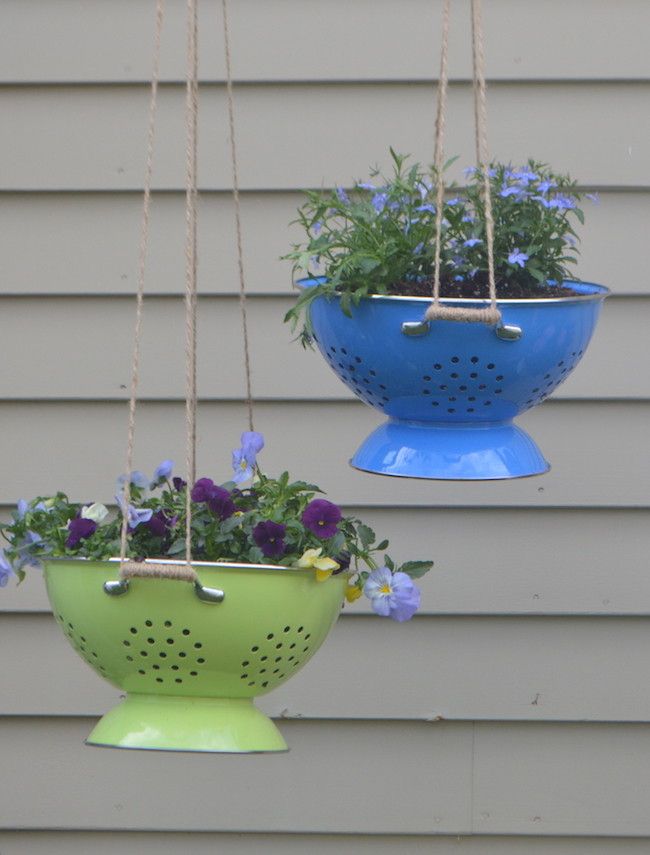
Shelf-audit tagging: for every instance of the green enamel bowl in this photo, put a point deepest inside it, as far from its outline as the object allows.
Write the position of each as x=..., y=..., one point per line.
x=191, y=664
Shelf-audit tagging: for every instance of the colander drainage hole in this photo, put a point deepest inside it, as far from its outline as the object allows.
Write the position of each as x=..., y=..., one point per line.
x=133, y=631
x=148, y=623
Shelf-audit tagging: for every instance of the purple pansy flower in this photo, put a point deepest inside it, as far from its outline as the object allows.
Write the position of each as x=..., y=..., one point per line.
x=269, y=536
x=179, y=483
x=160, y=523
x=217, y=498
x=517, y=257
x=392, y=595
x=321, y=518
x=221, y=503
x=79, y=529
x=6, y=570
x=203, y=490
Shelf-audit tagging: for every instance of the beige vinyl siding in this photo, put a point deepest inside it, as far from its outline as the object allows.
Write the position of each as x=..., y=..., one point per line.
x=476, y=668
x=288, y=40
x=207, y=843
x=526, y=578
x=531, y=640
x=87, y=242
x=101, y=329
x=327, y=133
x=525, y=778
x=601, y=465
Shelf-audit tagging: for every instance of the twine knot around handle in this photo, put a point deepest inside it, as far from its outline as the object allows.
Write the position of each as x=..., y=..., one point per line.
x=161, y=570
x=490, y=315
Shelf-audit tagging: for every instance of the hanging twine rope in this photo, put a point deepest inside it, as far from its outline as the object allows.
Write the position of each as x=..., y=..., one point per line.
x=235, y=192
x=183, y=572
x=191, y=114
x=437, y=311
x=130, y=569
x=142, y=263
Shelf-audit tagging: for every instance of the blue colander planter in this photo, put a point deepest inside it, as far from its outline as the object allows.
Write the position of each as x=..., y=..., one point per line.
x=451, y=390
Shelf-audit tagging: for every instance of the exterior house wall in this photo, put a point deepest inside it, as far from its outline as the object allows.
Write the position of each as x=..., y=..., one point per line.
x=511, y=715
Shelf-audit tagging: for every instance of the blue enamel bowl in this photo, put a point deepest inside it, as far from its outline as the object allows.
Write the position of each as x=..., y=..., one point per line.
x=450, y=390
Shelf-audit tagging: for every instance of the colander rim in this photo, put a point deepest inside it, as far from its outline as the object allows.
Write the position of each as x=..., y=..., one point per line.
x=600, y=294
x=237, y=565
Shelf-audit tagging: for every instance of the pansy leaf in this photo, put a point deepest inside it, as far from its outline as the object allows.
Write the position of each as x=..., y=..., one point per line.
x=416, y=569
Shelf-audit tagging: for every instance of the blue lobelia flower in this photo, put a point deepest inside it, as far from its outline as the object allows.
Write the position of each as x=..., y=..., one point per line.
x=418, y=249
x=546, y=185
x=162, y=473
x=472, y=241
x=519, y=258
x=392, y=595
x=561, y=202
x=22, y=508
x=511, y=191
x=427, y=207
x=343, y=196
x=379, y=201
x=316, y=228
x=6, y=570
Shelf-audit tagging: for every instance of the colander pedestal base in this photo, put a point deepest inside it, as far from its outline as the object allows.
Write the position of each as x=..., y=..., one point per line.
x=169, y=723
x=481, y=451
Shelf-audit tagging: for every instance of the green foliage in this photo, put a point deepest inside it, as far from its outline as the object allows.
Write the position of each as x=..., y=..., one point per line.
x=41, y=529
x=383, y=232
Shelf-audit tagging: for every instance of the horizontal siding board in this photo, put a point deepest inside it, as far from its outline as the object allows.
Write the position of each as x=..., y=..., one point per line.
x=533, y=779
x=55, y=243
x=142, y=790
x=514, y=575
x=478, y=669
x=289, y=40
x=102, y=329
x=604, y=466
x=206, y=843
x=95, y=136
x=562, y=779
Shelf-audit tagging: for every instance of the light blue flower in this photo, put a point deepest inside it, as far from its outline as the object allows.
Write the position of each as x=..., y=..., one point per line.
x=418, y=249
x=593, y=197
x=22, y=508
x=511, y=191
x=6, y=570
x=427, y=207
x=364, y=185
x=244, y=458
x=546, y=185
x=392, y=595
x=561, y=202
x=343, y=196
x=455, y=201
x=25, y=557
x=162, y=473
x=472, y=241
x=134, y=516
x=468, y=218
x=517, y=257
x=379, y=201
x=469, y=171
x=138, y=479
x=316, y=228
x=524, y=177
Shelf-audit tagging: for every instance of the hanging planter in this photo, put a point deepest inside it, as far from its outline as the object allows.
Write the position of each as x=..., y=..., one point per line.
x=451, y=390
x=501, y=323
x=413, y=350
x=191, y=658
x=193, y=642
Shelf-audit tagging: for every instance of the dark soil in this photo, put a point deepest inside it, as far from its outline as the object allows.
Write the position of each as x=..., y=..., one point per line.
x=478, y=289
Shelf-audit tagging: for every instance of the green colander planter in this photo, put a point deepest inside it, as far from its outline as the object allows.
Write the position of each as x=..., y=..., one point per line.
x=191, y=667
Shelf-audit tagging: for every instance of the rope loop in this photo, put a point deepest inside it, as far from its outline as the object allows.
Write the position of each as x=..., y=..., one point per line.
x=436, y=311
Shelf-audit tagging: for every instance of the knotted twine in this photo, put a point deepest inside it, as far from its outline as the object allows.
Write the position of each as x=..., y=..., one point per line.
x=436, y=311
x=171, y=570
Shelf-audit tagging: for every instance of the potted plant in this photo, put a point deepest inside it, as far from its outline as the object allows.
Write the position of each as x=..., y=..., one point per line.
x=450, y=389
x=272, y=559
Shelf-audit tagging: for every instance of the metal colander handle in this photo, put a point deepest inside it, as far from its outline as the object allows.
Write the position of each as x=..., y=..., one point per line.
x=162, y=570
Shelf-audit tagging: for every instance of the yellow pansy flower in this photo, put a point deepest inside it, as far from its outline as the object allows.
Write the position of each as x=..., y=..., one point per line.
x=324, y=566
x=353, y=593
